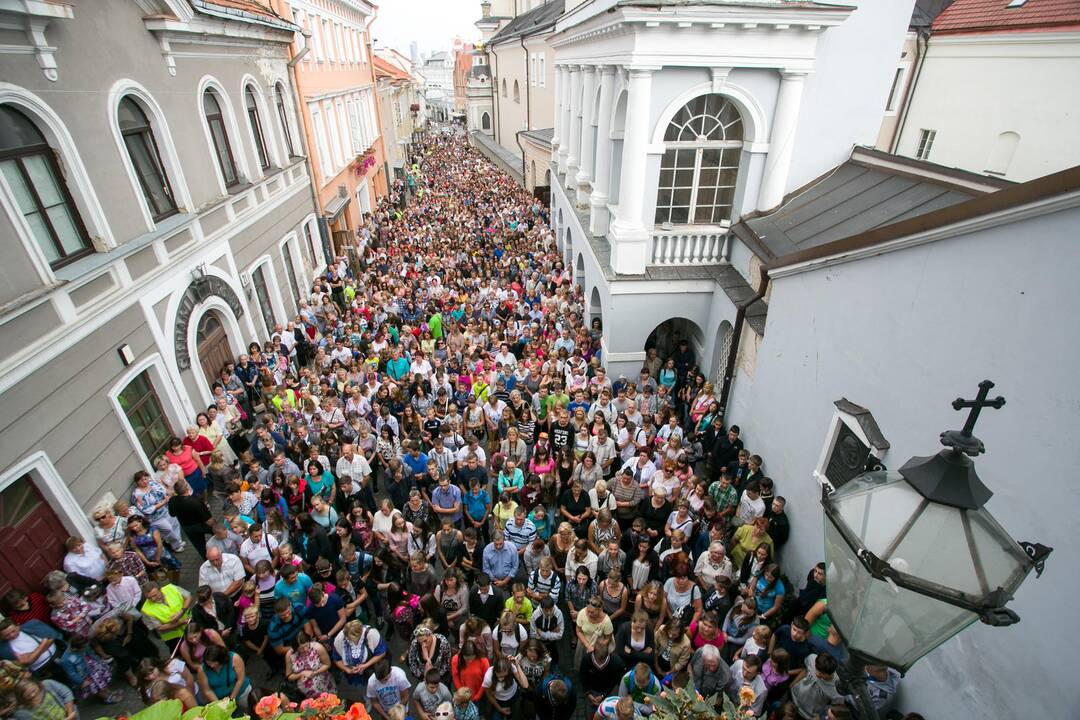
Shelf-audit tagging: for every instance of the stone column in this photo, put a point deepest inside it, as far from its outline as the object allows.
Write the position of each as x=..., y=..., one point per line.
x=781, y=140
x=564, y=111
x=601, y=184
x=585, y=169
x=574, y=127
x=556, y=138
x=629, y=238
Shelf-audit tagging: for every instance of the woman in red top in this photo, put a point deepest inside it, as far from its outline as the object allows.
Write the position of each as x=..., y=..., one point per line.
x=202, y=445
x=467, y=669
x=187, y=457
x=706, y=631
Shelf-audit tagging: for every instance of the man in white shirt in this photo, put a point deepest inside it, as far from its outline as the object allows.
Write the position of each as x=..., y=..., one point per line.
x=223, y=572
x=751, y=505
x=504, y=357
x=353, y=464
x=641, y=467
x=258, y=546
x=82, y=559
x=420, y=365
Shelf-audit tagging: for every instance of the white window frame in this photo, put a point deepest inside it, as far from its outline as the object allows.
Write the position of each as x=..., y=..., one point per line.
x=317, y=260
x=346, y=136
x=315, y=28
x=328, y=35
x=335, y=137
x=166, y=393
x=896, y=91
x=343, y=55
x=543, y=70
x=277, y=307
x=319, y=126
x=926, y=143
x=292, y=242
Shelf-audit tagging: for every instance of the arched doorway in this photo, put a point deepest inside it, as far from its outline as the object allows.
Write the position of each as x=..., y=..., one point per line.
x=579, y=271
x=666, y=337
x=485, y=122
x=212, y=346
x=596, y=310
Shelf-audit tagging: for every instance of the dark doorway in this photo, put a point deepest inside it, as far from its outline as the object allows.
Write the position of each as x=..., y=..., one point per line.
x=34, y=537
x=212, y=345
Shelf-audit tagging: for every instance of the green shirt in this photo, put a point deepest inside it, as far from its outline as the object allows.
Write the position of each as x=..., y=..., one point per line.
x=434, y=324
x=724, y=498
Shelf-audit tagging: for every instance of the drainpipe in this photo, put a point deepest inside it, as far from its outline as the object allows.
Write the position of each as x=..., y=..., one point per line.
x=528, y=111
x=736, y=333
x=922, y=41
x=495, y=92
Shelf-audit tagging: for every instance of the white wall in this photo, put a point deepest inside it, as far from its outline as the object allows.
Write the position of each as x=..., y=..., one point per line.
x=903, y=334
x=845, y=97
x=973, y=88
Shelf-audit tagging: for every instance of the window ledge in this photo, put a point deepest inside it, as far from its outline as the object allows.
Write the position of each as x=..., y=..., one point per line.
x=92, y=263
x=239, y=188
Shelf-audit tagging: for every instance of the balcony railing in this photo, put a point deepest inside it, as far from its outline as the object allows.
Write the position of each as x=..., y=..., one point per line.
x=688, y=246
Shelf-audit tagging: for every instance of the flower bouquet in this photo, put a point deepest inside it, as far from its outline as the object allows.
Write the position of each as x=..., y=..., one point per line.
x=686, y=703
x=323, y=707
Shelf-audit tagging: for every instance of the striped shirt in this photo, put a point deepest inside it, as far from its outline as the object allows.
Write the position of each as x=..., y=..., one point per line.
x=521, y=535
x=545, y=586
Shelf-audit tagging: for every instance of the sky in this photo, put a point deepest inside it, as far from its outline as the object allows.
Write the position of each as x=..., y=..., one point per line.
x=431, y=23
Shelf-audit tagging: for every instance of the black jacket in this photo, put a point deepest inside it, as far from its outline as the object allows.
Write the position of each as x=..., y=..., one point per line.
x=490, y=610
x=630, y=657
x=224, y=613
x=318, y=545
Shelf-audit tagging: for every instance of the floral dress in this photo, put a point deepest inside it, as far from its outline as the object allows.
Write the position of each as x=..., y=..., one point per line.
x=88, y=673
x=307, y=658
x=147, y=545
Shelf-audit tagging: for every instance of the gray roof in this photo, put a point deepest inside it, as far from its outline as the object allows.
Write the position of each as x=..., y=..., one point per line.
x=536, y=20
x=479, y=71
x=871, y=189
x=541, y=137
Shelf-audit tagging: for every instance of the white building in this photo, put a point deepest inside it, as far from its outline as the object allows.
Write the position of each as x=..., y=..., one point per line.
x=900, y=319
x=439, y=85
x=674, y=121
x=996, y=90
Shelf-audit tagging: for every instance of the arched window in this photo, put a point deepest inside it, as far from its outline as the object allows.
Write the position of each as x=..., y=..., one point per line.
x=283, y=117
x=256, y=127
x=143, y=151
x=29, y=166
x=517, y=92
x=222, y=151
x=702, y=145
x=485, y=122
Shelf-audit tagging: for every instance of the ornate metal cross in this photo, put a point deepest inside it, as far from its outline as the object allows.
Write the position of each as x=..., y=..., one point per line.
x=963, y=440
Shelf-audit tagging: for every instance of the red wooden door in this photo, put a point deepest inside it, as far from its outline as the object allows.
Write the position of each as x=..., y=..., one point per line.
x=213, y=347
x=33, y=537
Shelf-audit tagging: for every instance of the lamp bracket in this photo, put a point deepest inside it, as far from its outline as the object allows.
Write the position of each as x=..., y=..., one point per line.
x=878, y=568
x=999, y=617
x=1038, y=554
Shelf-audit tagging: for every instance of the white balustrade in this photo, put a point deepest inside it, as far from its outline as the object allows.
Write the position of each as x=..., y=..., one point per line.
x=671, y=247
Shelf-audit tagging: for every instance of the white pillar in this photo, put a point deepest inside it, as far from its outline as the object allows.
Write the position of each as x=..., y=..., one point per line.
x=556, y=138
x=598, y=200
x=585, y=169
x=629, y=238
x=781, y=140
x=564, y=136
x=574, y=126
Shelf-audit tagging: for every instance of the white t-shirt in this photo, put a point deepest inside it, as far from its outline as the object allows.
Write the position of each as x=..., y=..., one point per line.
x=388, y=692
x=263, y=550
x=23, y=644
x=502, y=693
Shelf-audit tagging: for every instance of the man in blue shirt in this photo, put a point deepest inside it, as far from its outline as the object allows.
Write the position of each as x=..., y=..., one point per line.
x=415, y=460
x=293, y=586
x=500, y=560
x=284, y=627
x=446, y=501
x=397, y=367
x=477, y=504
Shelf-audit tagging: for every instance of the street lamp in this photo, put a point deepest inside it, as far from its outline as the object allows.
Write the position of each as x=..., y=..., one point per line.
x=913, y=557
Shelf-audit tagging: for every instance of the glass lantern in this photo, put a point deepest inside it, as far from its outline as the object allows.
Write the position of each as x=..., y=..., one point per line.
x=907, y=572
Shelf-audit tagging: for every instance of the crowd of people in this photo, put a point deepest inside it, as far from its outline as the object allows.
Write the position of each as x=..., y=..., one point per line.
x=426, y=492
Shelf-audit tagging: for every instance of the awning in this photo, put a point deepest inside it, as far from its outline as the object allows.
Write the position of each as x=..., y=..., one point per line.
x=335, y=207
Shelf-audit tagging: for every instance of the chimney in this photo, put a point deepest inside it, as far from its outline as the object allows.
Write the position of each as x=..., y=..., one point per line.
x=485, y=8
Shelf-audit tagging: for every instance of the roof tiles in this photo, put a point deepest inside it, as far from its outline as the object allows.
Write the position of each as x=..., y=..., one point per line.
x=969, y=16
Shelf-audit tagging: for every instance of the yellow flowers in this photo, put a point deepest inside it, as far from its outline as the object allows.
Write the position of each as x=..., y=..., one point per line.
x=746, y=696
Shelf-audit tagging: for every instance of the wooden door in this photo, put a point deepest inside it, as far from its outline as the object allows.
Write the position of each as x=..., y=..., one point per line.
x=33, y=536
x=212, y=345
